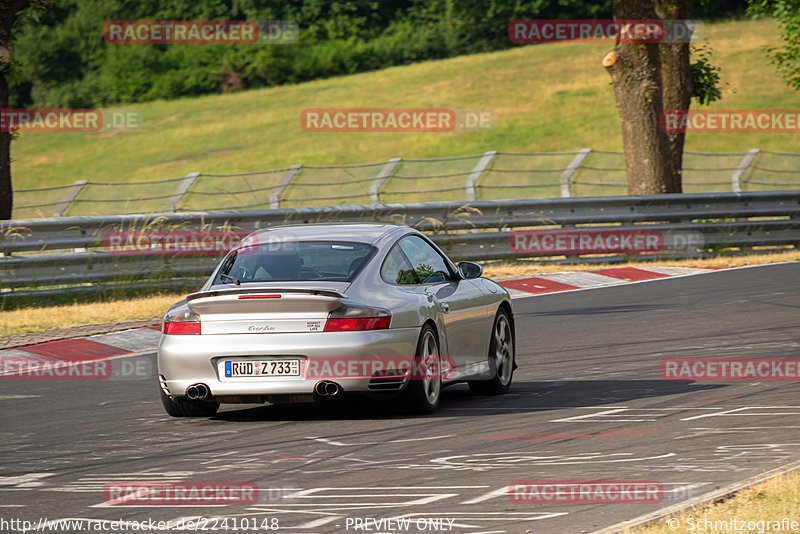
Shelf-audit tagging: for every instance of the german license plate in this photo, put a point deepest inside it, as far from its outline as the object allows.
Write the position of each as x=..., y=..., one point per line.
x=258, y=368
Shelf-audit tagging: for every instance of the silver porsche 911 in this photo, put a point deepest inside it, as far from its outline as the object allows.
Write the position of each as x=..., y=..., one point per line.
x=302, y=313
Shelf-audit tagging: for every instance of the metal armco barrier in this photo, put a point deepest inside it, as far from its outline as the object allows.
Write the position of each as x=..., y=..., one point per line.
x=69, y=254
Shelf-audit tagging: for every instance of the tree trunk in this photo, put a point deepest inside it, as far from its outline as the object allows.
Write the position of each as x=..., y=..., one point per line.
x=676, y=74
x=635, y=70
x=9, y=10
x=6, y=194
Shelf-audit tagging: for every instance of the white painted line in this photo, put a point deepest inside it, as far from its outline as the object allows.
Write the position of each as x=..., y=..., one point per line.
x=371, y=495
x=487, y=516
x=736, y=412
x=350, y=488
x=470, y=461
x=696, y=432
x=583, y=279
x=676, y=271
x=487, y=496
x=28, y=480
x=340, y=444
x=579, y=417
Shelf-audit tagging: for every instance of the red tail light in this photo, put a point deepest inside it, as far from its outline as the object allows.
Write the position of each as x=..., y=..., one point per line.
x=181, y=322
x=178, y=329
x=363, y=323
x=352, y=319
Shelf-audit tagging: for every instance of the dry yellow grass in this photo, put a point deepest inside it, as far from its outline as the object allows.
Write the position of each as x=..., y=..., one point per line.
x=770, y=501
x=515, y=269
x=28, y=320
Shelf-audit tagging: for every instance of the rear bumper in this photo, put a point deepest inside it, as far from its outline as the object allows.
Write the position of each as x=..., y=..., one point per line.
x=348, y=358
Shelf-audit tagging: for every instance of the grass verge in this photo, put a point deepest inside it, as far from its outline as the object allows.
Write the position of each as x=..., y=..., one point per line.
x=42, y=319
x=764, y=504
x=522, y=268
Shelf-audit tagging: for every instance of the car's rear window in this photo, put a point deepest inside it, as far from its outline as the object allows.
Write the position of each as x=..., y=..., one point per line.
x=294, y=261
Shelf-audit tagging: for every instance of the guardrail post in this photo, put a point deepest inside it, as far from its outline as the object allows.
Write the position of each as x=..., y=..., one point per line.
x=286, y=179
x=747, y=160
x=183, y=187
x=377, y=184
x=69, y=197
x=473, y=177
x=572, y=168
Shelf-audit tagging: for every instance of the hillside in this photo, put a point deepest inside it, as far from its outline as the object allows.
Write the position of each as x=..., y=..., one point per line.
x=546, y=98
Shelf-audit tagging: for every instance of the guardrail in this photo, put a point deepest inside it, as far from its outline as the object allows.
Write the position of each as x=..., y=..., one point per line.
x=59, y=255
x=492, y=175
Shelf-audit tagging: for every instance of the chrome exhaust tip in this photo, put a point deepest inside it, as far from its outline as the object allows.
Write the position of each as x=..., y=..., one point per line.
x=197, y=392
x=325, y=388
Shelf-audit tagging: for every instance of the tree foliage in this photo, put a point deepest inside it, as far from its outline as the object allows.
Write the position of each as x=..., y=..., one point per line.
x=65, y=61
x=705, y=76
x=787, y=57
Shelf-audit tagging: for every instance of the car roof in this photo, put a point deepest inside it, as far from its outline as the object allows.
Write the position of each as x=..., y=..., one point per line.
x=355, y=232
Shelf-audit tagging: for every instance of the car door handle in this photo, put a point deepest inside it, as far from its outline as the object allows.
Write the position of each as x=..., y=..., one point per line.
x=445, y=307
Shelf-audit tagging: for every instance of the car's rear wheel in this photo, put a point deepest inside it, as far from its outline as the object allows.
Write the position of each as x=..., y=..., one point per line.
x=188, y=408
x=501, y=358
x=425, y=384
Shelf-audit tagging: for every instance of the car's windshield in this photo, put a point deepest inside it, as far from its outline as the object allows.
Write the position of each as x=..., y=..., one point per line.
x=294, y=261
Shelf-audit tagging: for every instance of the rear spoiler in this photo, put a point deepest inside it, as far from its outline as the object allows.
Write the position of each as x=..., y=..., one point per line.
x=225, y=292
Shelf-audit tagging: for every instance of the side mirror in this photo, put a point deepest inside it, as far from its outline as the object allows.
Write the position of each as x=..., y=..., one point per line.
x=469, y=270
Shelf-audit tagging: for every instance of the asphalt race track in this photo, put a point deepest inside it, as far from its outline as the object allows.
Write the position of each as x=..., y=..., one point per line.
x=588, y=403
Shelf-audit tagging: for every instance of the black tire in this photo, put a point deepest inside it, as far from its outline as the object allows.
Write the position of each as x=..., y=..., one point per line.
x=424, y=389
x=187, y=408
x=501, y=358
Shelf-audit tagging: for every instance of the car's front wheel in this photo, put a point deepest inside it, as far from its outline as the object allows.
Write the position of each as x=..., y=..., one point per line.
x=501, y=358
x=188, y=408
x=425, y=384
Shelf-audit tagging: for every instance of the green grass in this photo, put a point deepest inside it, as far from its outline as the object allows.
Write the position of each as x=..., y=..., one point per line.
x=767, y=502
x=546, y=98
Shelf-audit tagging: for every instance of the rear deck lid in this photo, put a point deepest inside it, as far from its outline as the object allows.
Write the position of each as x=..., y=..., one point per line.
x=266, y=309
